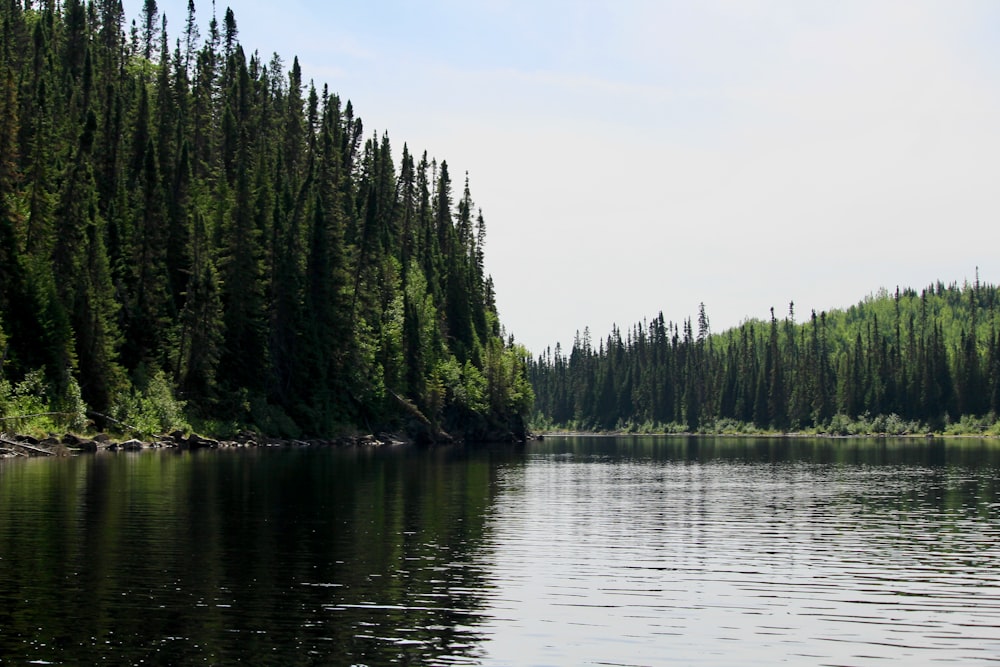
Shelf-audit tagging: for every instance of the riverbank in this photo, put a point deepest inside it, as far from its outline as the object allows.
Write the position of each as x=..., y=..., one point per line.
x=765, y=434
x=21, y=445
x=839, y=426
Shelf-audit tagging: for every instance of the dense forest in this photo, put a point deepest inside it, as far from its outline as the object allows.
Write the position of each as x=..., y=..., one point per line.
x=894, y=363
x=190, y=234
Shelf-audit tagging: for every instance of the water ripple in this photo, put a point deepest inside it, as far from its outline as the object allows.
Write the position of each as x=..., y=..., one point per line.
x=721, y=562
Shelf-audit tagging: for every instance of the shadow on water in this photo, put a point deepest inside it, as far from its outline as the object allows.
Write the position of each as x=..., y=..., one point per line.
x=359, y=556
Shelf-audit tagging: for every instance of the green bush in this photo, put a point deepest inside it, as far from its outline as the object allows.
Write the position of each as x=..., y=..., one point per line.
x=971, y=425
x=866, y=424
x=152, y=408
x=29, y=406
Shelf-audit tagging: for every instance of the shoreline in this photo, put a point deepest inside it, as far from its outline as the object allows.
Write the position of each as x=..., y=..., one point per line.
x=794, y=435
x=17, y=445
x=26, y=446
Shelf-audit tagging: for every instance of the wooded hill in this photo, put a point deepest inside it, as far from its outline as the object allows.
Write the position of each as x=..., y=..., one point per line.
x=899, y=362
x=188, y=231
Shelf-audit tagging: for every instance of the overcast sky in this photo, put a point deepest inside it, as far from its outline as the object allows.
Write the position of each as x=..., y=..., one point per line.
x=633, y=157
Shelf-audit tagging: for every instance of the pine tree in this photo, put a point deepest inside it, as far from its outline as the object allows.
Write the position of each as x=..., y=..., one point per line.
x=15, y=315
x=150, y=14
x=286, y=291
x=189, y=212
x=774, y=370
x=242, y=290
x=202, y=327
x=191, y=37
x=85, y=290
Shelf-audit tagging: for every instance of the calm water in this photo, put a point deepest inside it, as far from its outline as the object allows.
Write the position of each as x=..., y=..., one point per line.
x=602, y=551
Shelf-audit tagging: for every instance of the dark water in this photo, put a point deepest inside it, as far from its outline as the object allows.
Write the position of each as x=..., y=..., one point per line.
x=622, y=551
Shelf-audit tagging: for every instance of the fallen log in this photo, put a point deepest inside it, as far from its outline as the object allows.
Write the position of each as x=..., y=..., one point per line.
x=31, y=449
x=92, y=413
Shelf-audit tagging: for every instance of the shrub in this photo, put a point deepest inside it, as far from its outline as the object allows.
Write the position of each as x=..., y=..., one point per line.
x=152, y=408
x=970, y=425
x=30, y=407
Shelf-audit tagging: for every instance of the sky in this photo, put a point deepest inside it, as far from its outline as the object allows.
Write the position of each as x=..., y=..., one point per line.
x=633, y=157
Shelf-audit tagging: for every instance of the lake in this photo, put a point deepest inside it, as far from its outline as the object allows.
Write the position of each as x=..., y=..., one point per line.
x=570, y=551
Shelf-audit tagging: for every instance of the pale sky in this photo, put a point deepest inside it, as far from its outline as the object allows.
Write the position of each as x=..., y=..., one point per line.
x=632, y=157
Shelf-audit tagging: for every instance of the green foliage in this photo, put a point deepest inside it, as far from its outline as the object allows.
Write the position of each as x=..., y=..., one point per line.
x=507, y=382
x=270, y=419
x=463, y=384
x=976, y=426
x=866, y=424
x=366, y=375
x=893, y=364
x=655, y=428
x=72, y=407
x=474, y=390
x=841, y=424
x=150, y=408
x=193, y=221
x=25, y=403
x=729, y=426
x=30, y=406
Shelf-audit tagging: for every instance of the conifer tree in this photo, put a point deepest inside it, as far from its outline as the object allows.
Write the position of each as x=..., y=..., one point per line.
x=148, y=301
x=202, y=328
x=150, y=14
x=191, y=37
x=242, y=291
x=190, y=212
x=84, y=280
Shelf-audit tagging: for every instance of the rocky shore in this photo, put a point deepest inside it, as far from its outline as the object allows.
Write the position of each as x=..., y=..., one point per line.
x=17, y=445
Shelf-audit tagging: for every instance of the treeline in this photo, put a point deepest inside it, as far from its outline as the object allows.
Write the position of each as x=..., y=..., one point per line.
x=186, y=226
x=892, y=363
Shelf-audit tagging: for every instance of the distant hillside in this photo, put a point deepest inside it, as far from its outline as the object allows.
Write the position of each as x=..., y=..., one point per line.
x=895, y=362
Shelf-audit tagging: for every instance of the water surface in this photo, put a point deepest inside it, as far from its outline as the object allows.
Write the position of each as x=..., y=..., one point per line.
x=624, y=551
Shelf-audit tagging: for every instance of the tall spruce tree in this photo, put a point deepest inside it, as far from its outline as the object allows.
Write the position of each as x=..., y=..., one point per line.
x=189, y=211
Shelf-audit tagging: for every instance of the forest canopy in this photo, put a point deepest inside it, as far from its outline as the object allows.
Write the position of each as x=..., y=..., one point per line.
x=191, y=232
x=901, y=362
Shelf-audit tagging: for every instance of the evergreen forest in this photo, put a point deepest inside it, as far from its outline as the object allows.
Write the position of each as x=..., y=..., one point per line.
x=902, y=362
x=194, y=235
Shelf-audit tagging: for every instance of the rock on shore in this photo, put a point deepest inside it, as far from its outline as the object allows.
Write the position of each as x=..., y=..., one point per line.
x=15, y=445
